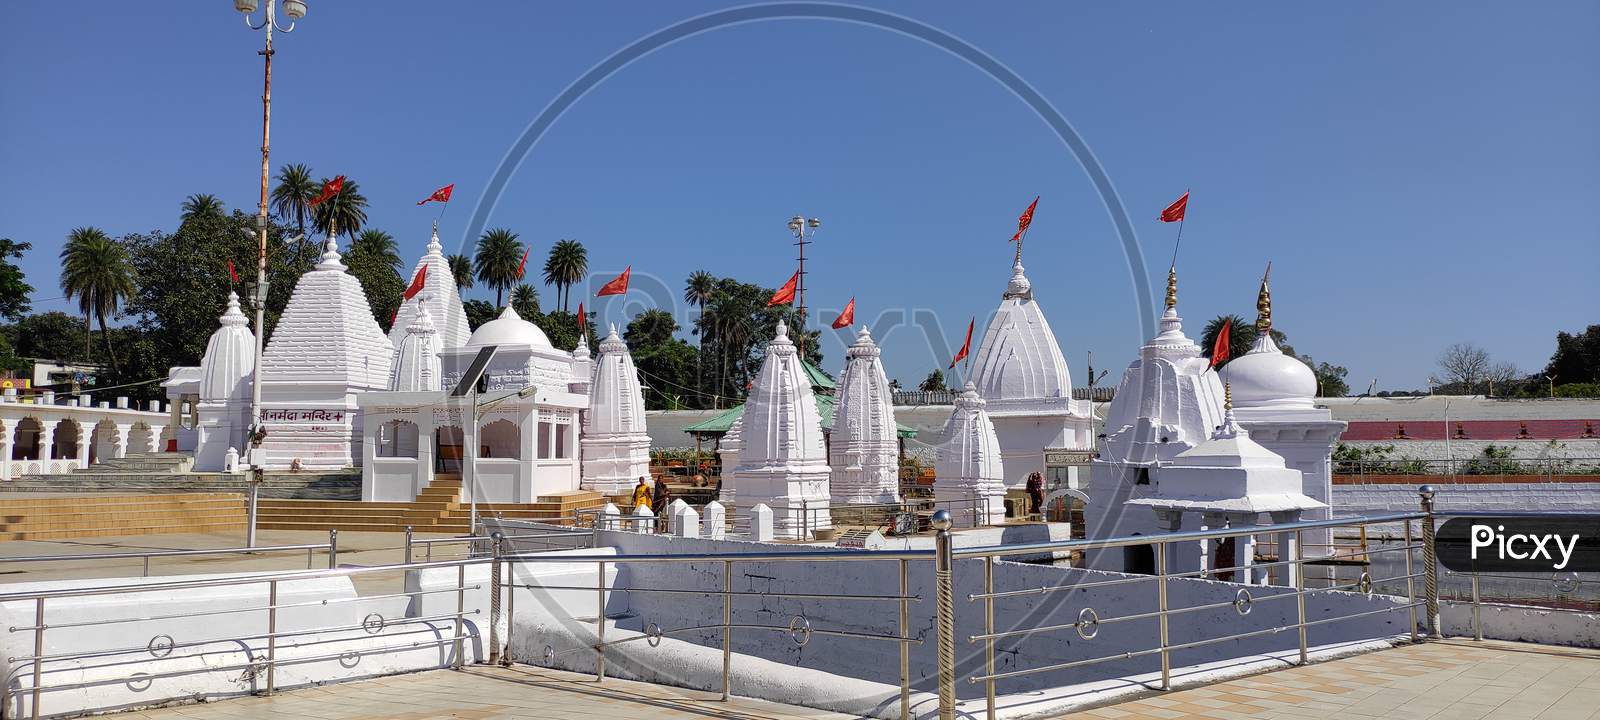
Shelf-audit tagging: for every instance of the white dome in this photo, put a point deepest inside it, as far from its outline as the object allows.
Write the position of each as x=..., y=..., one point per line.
x=1018, y=358
x=1265, y=377
x=508, y=329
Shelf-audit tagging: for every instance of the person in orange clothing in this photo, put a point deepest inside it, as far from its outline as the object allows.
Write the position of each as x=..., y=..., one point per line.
x=641, y=494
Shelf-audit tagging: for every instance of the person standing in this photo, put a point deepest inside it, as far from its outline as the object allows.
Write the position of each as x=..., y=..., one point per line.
x=660, y=502
x=641, y=495
x=1036, y=493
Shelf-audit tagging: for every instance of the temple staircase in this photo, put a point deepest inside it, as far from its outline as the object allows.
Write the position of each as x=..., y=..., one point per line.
x=437, y=509
x=74, y=516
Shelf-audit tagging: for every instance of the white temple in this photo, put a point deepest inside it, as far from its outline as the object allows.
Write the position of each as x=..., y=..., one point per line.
x=416, y=360
x=968, y=468
x=1168, y=402
x=616, y=446
x=226, y=371
x=1021, y=374
x=782, y=461
x=438, y=295
x=864, y=450
x=326, y=350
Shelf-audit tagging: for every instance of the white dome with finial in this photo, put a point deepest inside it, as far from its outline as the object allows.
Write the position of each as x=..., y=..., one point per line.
x=1265, y=377
x=864, y=446
x=229, y=364
x=508, y=329
x=1018, y=361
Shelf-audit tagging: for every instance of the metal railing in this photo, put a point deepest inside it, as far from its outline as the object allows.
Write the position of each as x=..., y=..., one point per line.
x=1563, y=586
x=331, y=547
x=974, y=509
x=477, y=545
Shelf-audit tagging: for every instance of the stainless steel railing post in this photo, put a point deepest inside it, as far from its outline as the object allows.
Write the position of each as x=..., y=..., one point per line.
x=988, y=629
x=495, y=542
x=1299, y=570
x=1477, y=610
x=1411, y=583
x=727, y=629
x=333, y=548
x=38, y=652
x=408, y=544
x=461, y=613
x=511, y=609
x=1161, y=607
x=272, y=636
x=600, y=625
x=905, y=649
x=1430, y=562
x=146, y=566
x=943, y=562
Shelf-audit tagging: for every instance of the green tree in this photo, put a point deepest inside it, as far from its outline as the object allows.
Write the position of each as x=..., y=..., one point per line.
x=525, y=300
x=374, y=260
x=54, y=336
x=934, y=382
x=95, y=271
x=14, y=289
x=478, y=312
x=292, y=196
x=698, y=290
x=348, y=208
x=202, y=205
x=1576, y=359
x=567, y=263
x=665, y=363
x=735, y=328
x=496, y=259
x=1330, y=378
x=461, y=271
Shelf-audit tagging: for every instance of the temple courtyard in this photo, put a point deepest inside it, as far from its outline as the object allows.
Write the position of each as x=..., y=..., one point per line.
x=1443, y=680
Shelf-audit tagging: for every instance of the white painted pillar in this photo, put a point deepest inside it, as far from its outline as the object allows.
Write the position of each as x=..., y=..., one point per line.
x=85, y=437
x=122, y=437
x=1208, y=560
x=715, y=521
x=1179, y=554
x=643, y=521
x=686, y=524
x=47, y=442
x=1245, y=553
x=610, y=518
x=1288, y=549
x=761, y=523
x=9, y=441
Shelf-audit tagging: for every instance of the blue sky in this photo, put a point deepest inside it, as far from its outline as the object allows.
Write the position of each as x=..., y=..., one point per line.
x=1419, y=173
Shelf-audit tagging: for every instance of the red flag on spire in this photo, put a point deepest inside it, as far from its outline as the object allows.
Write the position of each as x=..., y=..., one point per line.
x=1026, y=219
x=521, y=266
x=581, y=318
x=440, y=195
x=232, y=273
x=329, y=189
x=1174, y=212
x=965, y=346
x=617, y=286
x=1219, y=351
x=847, y=317
x=785, y=294
x=416, y=284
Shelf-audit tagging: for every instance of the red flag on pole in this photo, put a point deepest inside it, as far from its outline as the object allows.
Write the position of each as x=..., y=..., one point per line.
x=847, y=317
x=965, y=346
x=521, y=266
x=416, y=284
x=1219, y=351
x=329, y=189
x=232, y=273
x=785, y=294
x=1026, y=219
x=581, y=318
x=1174, y=212
x=617, y=286
x=440, y=195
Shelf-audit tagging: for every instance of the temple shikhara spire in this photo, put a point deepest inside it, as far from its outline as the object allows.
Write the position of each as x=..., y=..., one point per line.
x=864, y=453
x=782, y=461
x=616, y=445
x=969, y=472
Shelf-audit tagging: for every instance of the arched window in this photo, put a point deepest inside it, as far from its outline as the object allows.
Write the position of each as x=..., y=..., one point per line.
x=26, y=444
x=397, y=438
x=500, y=439
x=447, y=452
x=65, y=439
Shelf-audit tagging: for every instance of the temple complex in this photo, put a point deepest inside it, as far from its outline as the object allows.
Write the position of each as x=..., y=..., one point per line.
x=864, y=447
x=1023, y=378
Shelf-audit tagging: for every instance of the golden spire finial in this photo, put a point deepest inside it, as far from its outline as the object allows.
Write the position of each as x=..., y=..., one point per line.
x=1264, y=303
x=1227, y=395
x=1172, y=287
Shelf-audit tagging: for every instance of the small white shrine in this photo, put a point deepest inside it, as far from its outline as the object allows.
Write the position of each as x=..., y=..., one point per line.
x=438, y=295
x=616, y=446
x=864, y=451
x=326, y=350
x=1227, y=481
x=226, y=371
x=1169, y=401
x=968, y=466
x=1021, y=374
x=782, y=460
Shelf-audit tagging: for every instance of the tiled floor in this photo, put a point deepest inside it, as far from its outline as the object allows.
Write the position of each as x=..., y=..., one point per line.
x=1445, y=680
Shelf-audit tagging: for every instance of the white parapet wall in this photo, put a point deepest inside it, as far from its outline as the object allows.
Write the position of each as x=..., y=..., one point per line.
x=1522, y=623
x=203, y=643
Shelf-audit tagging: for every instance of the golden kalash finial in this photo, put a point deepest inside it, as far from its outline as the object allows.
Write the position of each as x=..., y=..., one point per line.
x=1264, y=304
x=1227, y=395
x=1172, y=287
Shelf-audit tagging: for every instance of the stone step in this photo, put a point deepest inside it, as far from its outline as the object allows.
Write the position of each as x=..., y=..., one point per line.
x=208, y=527
x=86, y=501
x=99, y=515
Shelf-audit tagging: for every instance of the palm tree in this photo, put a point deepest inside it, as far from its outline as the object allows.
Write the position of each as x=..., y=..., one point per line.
x=95, y=270
x=377, y=245
x=697, y=291
x=1240, y=336
x=348, y=207
x=525, y=300
x=496, y=260
x=461, y=271
x=291, y=199
x=567, y=264
x=200, y=205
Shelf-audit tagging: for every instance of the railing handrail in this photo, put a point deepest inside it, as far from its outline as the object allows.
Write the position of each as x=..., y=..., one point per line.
x=166, y=553
x=1098, y=544
x=265, y=576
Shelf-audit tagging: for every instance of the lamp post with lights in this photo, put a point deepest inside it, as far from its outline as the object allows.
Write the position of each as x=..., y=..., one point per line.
x=803, y=230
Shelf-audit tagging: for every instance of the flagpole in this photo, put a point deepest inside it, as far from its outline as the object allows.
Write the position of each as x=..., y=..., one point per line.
x=1179, y=242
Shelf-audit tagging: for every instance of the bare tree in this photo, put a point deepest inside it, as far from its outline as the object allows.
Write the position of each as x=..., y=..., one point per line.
x=1464, y=364
x=1503, y=375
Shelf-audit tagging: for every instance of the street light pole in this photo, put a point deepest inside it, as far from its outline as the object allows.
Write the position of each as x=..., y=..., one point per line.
x=799, y=226
x=295, y=9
